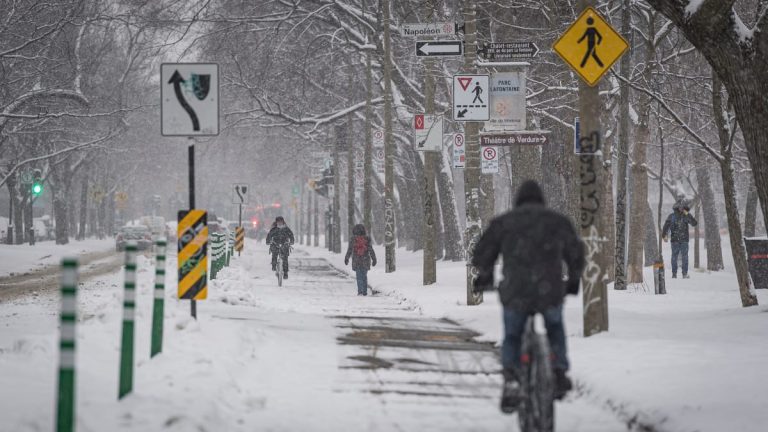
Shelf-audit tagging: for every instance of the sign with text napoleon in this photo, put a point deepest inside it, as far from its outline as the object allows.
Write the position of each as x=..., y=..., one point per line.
x=507, y=101
x=470, y=98
x=189, y=99
x=428, y=29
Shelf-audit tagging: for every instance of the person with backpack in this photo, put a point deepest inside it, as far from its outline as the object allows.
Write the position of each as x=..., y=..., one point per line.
x=676, y=225
x=280, y=239
x=363, y=257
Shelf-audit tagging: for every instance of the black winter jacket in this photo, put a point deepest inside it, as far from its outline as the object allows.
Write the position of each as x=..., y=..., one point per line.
x=534, y=242
x=282, y=236
x=677, y=223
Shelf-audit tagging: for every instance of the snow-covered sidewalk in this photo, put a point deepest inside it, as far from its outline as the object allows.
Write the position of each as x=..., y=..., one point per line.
x=692, y=360
x=20, y=259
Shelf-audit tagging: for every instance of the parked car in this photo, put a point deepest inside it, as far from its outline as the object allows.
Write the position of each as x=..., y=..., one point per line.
x=139, y=233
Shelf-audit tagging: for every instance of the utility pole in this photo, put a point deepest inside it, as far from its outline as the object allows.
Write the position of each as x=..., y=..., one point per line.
x=429, y=265
x=472, y=161
x=350, y=176
x=621, y=170
x=367, y=165
x=389, y=148
x=595, y=294
x=335, y=245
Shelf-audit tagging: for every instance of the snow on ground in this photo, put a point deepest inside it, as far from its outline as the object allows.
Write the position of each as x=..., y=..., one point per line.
x=692, y=360
x=19, y=259
x=259, y=358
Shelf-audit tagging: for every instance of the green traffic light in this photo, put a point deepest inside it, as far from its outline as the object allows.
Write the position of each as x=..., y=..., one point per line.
x=37, y=188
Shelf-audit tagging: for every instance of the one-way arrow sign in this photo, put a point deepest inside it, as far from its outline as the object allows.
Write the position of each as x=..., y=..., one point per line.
x=439, y=48
x=509, y=51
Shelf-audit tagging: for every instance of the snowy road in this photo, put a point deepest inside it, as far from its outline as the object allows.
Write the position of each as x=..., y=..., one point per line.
x=310, y=356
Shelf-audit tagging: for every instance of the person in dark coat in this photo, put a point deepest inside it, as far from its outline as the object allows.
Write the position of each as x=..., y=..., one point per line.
x=677, y=225
x=363, y=257
x=280, y=239
x=534, y=242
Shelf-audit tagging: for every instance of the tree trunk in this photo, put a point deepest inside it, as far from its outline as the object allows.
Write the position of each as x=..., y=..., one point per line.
x=709, y=209
x=638, y=202
x=620, y=263
x=454, y=249
x=83, y=213
x=651, y=244
x=697, y=236
x=18, y=219
x=750, y=213
x=389, y=146
x=738, y=250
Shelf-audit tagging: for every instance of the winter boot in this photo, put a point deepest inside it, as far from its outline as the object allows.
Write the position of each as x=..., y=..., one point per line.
x=685, y=276
x=674, y=276
x=285, y=275
x=511, y=394
x=274, y=266
x=563, y=384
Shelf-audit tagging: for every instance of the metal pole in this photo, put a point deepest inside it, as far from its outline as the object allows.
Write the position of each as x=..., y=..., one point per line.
x=129, y=310
x=65, y=408
x=429, y=271
x=158, y=308
x=191, y=153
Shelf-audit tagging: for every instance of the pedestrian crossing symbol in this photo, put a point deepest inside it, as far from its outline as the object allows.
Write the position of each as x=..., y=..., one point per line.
x=590, y=46
x=470, y=98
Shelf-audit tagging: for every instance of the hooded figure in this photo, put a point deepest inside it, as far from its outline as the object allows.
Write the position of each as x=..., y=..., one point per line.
x=280, y=239
x=537, y=244
x=363, y=256
x=676, y=225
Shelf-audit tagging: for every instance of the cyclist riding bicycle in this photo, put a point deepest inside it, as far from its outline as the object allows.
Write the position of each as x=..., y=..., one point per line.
x=534, y=242
x=280, y=239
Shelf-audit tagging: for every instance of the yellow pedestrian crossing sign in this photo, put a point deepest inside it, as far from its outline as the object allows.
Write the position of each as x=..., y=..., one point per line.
x=590, y=46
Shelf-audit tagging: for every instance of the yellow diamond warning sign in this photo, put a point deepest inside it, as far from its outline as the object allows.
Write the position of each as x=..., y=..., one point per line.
x=590, y=46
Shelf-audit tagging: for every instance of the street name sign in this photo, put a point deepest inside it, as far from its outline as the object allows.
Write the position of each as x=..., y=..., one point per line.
x=439, y=48
x=189, y=99
x=506, y=51
x=590, y=46
x=428, y=29
x=470, y=98
x=489, y=163
x=514, y=138
x=428, y=132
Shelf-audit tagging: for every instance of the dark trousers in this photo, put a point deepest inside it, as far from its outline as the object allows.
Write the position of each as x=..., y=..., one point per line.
x=284, y=254
x=362, y=281
x=514, y=326
x=680, y=248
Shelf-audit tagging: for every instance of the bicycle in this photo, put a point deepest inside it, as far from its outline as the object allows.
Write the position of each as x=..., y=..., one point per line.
x=279, y=261
x=537, y=381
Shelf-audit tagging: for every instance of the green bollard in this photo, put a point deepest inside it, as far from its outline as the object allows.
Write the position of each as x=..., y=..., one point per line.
x=158, y=308
x=129, y=309
x=65, y=409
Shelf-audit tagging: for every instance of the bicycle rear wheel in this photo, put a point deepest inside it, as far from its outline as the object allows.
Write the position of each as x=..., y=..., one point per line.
x=537, y=411
x=279, y=271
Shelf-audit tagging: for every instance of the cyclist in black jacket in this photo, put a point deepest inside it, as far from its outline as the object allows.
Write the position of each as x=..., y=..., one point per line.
x=280, y=239
x=535, y=243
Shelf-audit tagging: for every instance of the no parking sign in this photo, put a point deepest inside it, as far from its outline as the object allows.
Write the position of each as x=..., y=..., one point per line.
x=489, y=160
x=458, y=150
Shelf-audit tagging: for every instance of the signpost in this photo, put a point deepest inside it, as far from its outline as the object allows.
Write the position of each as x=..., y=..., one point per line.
x=489, y=164
x=428, y=132
x=470, y=98
x=506, y=51
x=459, y=153
x=507, y=100
x=590, y=46
x=515, y=138
x=429, y=29
x=439, y=48
x=189, y=99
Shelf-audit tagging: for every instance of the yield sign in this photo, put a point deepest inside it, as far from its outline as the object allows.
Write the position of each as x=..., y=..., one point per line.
x=464, y=82
x=470, y=98
x=590, y=46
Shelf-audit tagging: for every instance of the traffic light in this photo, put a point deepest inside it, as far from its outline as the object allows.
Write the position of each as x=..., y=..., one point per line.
x=37, y=183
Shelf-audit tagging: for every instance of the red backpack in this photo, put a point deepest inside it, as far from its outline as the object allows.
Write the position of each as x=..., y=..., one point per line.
x=361, y=246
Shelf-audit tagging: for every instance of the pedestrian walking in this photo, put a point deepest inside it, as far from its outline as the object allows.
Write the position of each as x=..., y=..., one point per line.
x=677, y=225
x=363, y=257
